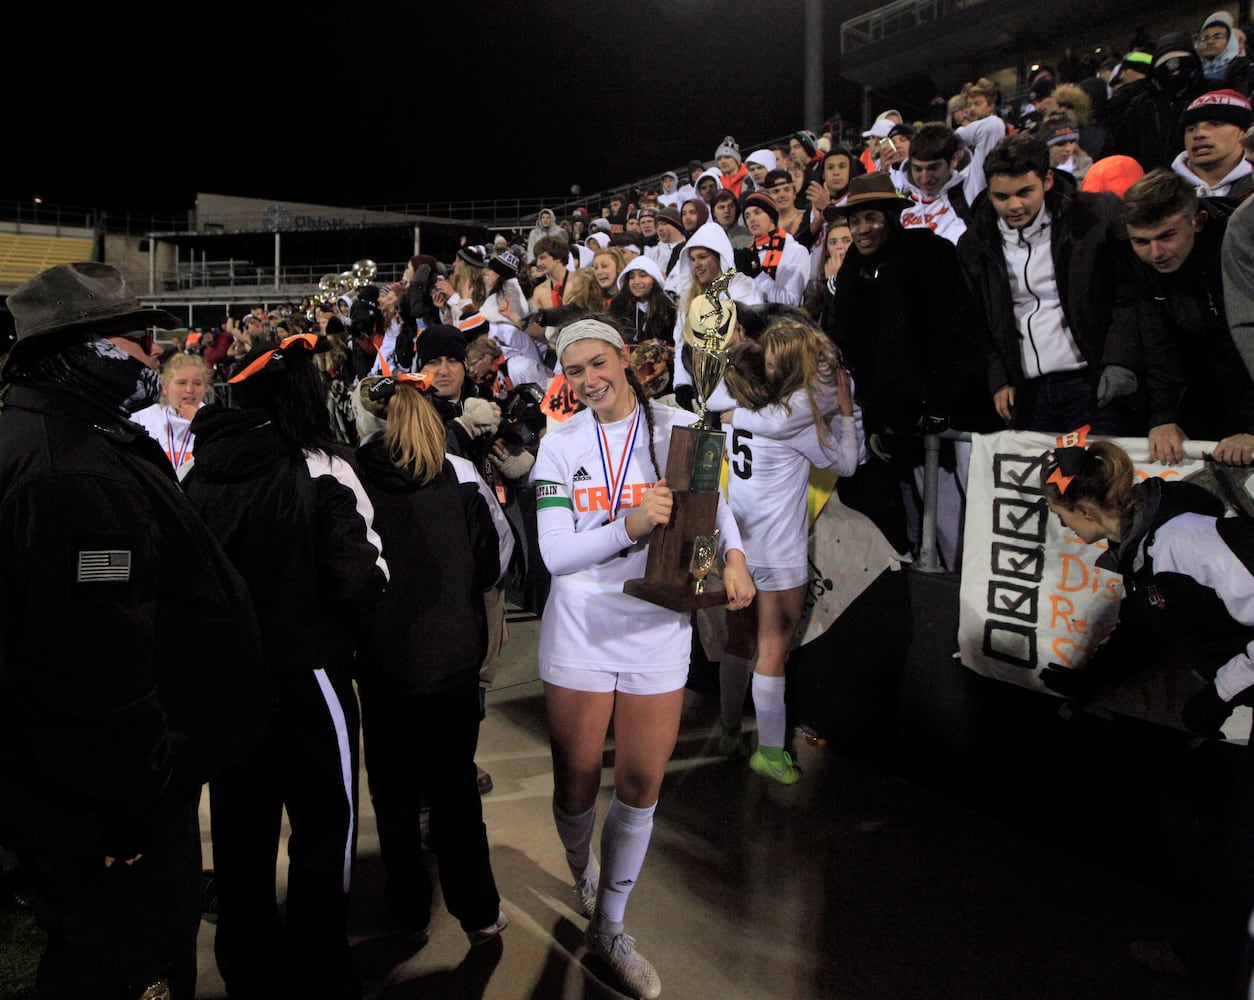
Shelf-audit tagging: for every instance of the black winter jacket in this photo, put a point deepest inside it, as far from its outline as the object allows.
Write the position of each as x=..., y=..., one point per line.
x=129, y=653
x=1193, y=371
x=903, y=320
x=429, y=630
x=299, y=529
x=1091, y=260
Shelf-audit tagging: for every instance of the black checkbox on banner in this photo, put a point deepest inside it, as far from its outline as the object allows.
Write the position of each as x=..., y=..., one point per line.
x=1010, y=643
x=1012, y=600
x=1020, y=519
x=1017, y=561
x=1019, y=472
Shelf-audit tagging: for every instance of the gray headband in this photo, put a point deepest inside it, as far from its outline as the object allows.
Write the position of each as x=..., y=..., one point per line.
x=587, y=329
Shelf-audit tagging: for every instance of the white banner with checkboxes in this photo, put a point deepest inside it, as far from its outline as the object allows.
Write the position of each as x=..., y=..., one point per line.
x=1031, y=595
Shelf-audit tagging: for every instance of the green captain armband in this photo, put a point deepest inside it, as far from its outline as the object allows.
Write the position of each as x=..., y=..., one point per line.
x=549, y=495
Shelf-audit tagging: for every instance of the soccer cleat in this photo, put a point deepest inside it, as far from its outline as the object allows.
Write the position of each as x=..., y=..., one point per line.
x=485, y=934
x=785, y=772
x=484, y=780
x=732, y=743
x=587, y=885
x=633, y=970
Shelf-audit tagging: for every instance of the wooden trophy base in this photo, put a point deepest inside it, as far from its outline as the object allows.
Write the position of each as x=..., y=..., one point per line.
x=692, y=472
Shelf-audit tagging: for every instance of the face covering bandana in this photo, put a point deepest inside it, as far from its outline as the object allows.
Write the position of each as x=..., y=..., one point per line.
x=100, y=371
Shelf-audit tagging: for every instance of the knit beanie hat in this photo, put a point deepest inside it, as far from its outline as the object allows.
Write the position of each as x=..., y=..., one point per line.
x=439, y=341
x=762, y=200
x=475, y=256
x=809, y=141
x=471, y=325
x=1059, y=130
x=505, y=264
x=728, y=147
x=1229, y=106
x=670, y=214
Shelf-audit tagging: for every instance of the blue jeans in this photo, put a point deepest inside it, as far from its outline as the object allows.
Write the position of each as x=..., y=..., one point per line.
x=1063, y=401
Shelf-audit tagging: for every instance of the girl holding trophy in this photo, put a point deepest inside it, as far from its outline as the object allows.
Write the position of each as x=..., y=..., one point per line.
x=604, y=654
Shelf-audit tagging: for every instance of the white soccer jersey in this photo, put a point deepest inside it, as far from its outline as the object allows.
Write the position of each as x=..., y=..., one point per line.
x=588, y=620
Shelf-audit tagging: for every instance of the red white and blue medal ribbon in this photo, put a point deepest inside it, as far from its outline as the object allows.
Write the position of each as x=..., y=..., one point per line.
x=614, y=477
x=176, y=457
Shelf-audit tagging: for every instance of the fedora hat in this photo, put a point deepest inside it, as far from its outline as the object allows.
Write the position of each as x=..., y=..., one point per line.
x=72, y=301
x=874, y=190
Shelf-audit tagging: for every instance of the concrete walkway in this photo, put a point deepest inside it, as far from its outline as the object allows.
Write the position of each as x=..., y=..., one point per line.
x=851, y=885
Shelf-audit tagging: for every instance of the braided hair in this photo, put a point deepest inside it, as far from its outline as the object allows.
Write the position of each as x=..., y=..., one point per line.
x=643, y=401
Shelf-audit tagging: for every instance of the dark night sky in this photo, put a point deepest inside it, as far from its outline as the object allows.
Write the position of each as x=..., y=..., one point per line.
x=471, y=100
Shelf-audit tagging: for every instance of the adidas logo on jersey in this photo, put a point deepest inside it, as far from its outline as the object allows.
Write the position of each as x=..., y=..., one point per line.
x=581, y=475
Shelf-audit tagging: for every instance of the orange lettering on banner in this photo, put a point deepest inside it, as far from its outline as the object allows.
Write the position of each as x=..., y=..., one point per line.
x=1067, y=583
x=1060, y=608
x=559, y=402
x=1075, y=654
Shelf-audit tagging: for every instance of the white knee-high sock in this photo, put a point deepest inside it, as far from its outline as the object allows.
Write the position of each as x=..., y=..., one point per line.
x=733, y=682
x=576, y=836
x=768, y=705
x=624, y=841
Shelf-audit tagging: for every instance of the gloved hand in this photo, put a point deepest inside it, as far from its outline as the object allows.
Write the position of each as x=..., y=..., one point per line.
x=1075, y=684
x=933, y=423
x=747, y=263
x=1115, y=381
x=1205, y=713
x=479, y=417
x=512, y=466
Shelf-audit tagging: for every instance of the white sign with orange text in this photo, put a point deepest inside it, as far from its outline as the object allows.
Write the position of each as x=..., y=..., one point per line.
x=1031, y=595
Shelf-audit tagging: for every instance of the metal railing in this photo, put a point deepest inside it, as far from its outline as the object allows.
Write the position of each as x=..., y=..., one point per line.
x=894, y=18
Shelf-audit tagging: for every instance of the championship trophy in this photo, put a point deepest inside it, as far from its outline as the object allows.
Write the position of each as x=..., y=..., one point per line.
x=682, y=553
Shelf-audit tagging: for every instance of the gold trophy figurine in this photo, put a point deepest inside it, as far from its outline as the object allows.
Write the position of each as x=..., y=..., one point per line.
x=704, y=549
x=711, y=322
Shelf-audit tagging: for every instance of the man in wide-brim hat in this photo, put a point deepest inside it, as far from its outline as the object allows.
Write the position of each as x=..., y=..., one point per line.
x=129, y=657
x=904, y=321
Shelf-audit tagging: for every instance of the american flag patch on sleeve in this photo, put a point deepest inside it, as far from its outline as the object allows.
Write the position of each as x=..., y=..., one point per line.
x=104, y=566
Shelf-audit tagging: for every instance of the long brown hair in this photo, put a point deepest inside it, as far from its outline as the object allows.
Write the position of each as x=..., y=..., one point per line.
x=1104, y=477
x=803, y=358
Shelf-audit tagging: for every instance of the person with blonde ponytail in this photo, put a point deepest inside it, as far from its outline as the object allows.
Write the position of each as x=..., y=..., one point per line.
x=605, y=655
x=418, y=670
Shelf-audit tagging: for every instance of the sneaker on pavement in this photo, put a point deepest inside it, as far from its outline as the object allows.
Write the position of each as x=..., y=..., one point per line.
x=733, y=743
x=485, y=934
x=785, y=772
x=633, y=970
x=587, y=885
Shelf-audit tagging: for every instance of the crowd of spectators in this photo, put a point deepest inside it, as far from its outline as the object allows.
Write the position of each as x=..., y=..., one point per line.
x=1081, y=256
